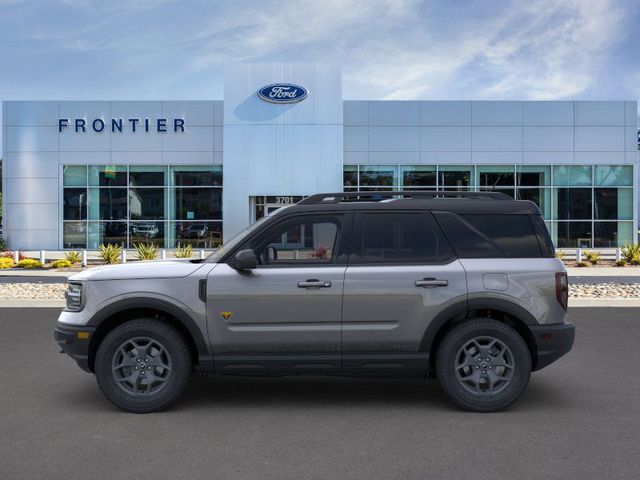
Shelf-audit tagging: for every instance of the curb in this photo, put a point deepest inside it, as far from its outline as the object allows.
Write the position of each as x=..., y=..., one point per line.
x=32, y=303
x=603, y=302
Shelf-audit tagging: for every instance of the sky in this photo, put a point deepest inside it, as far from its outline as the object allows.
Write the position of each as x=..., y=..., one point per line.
x=388, y=49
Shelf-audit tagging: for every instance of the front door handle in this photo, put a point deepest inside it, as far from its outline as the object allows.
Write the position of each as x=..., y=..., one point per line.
x=314, y=283
x=431, y=283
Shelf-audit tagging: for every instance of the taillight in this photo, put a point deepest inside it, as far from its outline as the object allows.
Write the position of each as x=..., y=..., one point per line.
x=562, y=289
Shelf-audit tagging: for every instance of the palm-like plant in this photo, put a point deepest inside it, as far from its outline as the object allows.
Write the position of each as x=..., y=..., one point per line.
x=110, y=253
x=146, y=251
x=185, y=251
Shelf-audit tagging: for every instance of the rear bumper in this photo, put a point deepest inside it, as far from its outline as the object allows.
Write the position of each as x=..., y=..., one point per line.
x=74, y=341
x=552, y=342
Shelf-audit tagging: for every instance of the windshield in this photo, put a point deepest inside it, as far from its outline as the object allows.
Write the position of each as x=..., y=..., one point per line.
x=238, y=238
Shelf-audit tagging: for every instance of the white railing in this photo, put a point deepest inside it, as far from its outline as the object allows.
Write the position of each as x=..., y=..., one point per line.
x=87, y=256
x=578, y=254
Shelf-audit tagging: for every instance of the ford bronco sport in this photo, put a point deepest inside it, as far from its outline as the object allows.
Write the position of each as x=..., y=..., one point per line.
x=457, y=285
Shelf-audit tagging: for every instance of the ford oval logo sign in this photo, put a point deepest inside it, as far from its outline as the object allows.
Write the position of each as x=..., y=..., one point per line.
x=283, y=93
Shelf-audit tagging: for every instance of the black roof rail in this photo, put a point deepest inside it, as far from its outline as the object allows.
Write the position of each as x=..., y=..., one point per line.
x=377, y=196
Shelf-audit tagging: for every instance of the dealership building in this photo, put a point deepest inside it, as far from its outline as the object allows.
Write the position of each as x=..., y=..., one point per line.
x=80, y=173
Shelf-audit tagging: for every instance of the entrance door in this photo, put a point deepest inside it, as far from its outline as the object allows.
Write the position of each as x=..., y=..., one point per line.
x=265, y=204
x=284, y=315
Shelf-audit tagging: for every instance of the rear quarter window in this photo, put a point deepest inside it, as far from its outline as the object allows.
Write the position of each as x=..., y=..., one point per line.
x=491, y=235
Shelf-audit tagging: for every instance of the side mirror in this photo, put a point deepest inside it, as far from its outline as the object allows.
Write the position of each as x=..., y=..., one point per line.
x=245, y=260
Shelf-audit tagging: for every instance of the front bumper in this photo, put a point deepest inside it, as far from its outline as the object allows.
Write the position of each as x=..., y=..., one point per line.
x=74, y=341
x=552, y=342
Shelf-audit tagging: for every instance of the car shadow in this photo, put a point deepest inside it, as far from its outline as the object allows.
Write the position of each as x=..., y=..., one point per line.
x=308, y=392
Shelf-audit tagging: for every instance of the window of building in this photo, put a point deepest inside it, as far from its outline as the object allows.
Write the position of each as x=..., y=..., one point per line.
x=75, y=204
x=401, y=238
x=533, y=175
x=614, y=175
x=574, y=234
x=540, y=196
x=572, y=175
x=74, y=175
x=613, y=203
x=586, y=194
x=384, y=177
x=350, y=177
x=454, y=177
x=420, y=176
x=128, y=205
x=496, y=176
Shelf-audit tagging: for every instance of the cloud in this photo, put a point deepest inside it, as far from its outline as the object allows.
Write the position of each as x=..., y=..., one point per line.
x=549, y=50
x=389, y=49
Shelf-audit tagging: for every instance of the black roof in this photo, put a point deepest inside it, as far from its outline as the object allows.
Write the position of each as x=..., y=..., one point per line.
x=457, y=202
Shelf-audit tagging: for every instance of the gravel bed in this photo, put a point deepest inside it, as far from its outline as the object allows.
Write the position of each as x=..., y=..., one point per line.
x=55, y=291
x=605, y=290
x=39, y=291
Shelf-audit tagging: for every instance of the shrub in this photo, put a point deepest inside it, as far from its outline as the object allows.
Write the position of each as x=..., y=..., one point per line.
x=6, y=263
x=320, y=252
x=560, y=254
x=61, y=263
x=621, y=263
x=592, y=256
x=9, y=254
x=582, y=264
x=146, y=251
x=635, y=262
x=29, y=263
x=185, y=251
x=110, y=253
x=73, y=257
x=631, y=252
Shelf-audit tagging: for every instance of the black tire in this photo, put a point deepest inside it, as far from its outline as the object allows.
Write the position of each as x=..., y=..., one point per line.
x=450, y=374
x=175, y=353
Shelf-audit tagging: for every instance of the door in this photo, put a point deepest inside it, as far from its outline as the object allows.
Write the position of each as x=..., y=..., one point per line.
x=401, y=274
x=264, y=205
x=284, y=315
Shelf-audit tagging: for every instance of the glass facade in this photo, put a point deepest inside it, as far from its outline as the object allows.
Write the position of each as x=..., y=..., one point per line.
x=588, y=206
x=128, y=205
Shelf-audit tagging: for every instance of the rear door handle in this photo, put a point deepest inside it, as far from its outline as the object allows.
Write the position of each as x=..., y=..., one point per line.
x=314, y=283
x=431, y=283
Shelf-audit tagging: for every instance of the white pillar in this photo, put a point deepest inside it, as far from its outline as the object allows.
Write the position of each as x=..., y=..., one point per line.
x=201, y=254
x=618, y=254
x=42, y=256
x=123, y=256
x=84, y=258
x=578, y=254
x=163, y=254
x=16, y=256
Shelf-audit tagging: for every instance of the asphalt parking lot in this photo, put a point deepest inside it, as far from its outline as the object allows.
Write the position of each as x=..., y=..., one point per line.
x=579, y=419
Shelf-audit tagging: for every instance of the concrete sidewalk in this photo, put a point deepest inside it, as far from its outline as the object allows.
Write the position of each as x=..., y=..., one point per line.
x=29, y=272
x=603, y=271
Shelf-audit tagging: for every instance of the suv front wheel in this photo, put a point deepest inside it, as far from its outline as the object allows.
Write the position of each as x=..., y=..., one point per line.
x=483, y=365
x=143, y=365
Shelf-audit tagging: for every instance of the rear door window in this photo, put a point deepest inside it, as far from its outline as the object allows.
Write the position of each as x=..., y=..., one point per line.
x=400, y=238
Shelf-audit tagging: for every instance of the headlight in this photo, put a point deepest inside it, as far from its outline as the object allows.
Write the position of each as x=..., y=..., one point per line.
x=73, y=296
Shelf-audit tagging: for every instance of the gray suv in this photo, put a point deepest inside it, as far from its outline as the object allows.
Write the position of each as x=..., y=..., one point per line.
x=464, y=287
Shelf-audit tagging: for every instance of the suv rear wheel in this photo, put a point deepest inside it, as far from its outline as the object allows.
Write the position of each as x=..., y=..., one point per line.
x=143, y=365
x=483, y=365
